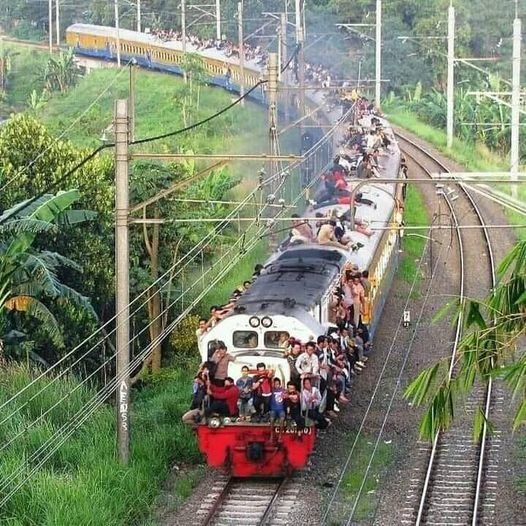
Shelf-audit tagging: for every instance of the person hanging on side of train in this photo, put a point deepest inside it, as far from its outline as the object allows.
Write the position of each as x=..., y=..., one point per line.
x=244, y=384
x=203, y=328
x=199, y=391
x=277, y=403
x=221, y=359
x=307, y=363
x=262, y=390
x=310, y=403
x=223, y=399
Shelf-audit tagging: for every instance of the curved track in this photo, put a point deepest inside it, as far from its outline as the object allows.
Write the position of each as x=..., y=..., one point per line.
x=454, y=487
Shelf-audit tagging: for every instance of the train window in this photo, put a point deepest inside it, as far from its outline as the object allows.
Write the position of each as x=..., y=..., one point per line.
x=245, y=339
x=276, y=339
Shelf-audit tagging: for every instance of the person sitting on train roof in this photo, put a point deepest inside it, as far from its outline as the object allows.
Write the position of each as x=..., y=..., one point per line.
x=257, y=271
x=244, y=384
x=326, y=235
x=310, y=403
x=301, y=231
x=221, y=359
x=307, y=363
x=223, y=399
x=262, y=389
x=277, y=405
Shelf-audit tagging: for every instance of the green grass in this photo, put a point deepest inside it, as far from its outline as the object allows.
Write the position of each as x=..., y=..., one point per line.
x=413, y=242
x=354, y=478
x=474, y=157
x=25, y=76
x=83, y=483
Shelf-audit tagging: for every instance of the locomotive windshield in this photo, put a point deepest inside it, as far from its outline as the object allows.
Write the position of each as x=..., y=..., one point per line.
x=245, y=339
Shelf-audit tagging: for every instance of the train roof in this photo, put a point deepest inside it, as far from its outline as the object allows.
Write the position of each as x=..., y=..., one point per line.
x=152, y=40
x=296, y=280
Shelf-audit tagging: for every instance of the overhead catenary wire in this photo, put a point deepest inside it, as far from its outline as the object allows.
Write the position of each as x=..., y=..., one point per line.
x=254, y=240
x=137, y=359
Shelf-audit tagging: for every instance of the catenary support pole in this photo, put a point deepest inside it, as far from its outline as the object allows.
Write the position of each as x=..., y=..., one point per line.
x=241, y=49
x=121, y=126
x=50, y=24
x=117, y=31
x=284, y=56
x=218, y=19
x=57, y=20
x=139, y=14
x=273, y=69
x=515, y=104
x=450, y=74
x=378, y=61
x=301, y=57
x=183, y=24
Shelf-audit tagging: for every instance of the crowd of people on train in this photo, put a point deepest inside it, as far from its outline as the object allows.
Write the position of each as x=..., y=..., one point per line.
x=321, y=369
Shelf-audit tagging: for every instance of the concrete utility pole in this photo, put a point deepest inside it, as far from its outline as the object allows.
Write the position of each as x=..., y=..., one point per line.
x=57, y=21
x=139, y=25
x=301, y=57
x=117, y=31
x=241, y=49
x=183, y=24
x=515, y=103
x=450, y=74
x=122, y=278
x=284, y=57
x=131, y=98
x=50, y=24
x=378, y=61
x=273, y=70
x=218, y=19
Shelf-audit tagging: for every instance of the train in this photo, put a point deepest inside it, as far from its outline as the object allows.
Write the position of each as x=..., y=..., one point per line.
x=292, y=295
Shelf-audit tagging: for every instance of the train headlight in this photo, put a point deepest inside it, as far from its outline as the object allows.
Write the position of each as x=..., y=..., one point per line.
x=227, y=420
x=214, y=422
x=254, y=322
x=266, y=322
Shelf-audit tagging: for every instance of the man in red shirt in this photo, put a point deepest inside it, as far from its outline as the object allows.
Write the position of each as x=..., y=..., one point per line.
x=224, y=399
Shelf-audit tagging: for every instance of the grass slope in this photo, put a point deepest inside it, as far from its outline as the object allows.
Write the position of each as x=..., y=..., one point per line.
x=83, y=483
x=26, y=75
x=414, y=241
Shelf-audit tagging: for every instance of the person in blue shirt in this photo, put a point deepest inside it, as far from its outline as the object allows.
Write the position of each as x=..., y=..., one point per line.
x=244, y=384
x=277, y=404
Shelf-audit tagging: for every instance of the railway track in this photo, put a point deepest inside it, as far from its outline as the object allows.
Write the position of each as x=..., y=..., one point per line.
x=264, y=502
x=455, y=483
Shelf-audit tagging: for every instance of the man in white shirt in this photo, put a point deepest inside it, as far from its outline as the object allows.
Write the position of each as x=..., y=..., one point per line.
x=307, y=363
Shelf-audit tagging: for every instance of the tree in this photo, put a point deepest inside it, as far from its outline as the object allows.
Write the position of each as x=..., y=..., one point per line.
x=493, y=329
x=60, y=72
x=29, y=278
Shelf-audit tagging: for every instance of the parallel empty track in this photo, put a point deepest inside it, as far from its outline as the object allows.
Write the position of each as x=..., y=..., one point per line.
x=455, y=484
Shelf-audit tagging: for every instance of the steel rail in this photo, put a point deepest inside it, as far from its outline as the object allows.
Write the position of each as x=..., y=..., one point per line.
x=489, y=387
x=214, y=512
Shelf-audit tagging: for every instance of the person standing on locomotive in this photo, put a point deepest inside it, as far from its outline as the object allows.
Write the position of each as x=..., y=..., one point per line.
x=277, y=404
x=221, y=359
x=307, y=363
x=262, y=388
x=244, y=384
